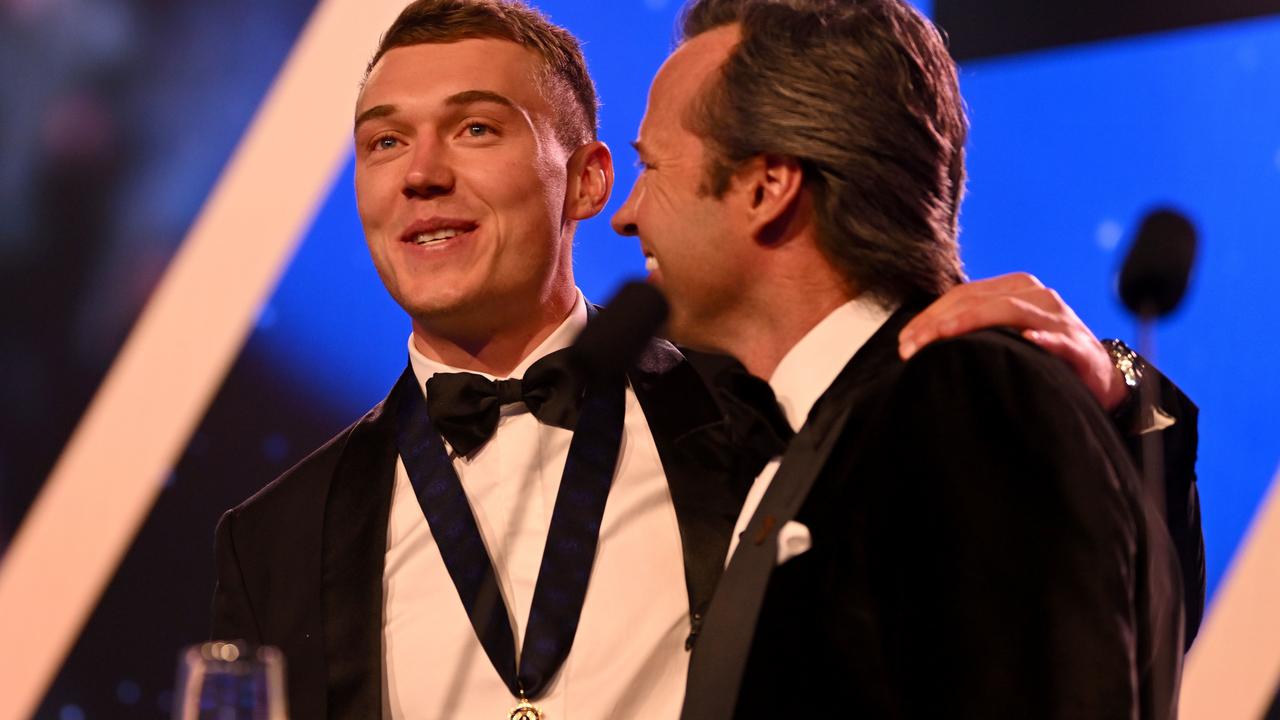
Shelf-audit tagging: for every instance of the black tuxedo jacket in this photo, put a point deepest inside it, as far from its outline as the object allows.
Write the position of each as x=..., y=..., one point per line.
x=981, y=547
x=300, y=563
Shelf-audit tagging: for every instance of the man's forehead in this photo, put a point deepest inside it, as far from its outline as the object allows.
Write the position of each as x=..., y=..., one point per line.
x=436, y=71
x=706, y=52
x=690, y=66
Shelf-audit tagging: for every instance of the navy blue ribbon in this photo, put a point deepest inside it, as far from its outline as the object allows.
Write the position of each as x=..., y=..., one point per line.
x=570, y=549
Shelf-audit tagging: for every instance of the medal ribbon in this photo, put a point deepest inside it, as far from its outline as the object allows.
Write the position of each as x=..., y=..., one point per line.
x=571, y=543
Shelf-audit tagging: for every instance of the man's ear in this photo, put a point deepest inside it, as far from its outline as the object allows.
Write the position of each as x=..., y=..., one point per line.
x=773, y=184
x=590, y=181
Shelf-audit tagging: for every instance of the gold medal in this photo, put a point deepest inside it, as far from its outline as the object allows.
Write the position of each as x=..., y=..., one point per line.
x=525, y=710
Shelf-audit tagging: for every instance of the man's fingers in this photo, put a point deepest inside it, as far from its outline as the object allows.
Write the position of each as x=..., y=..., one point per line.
x=1087, y=360
x=999, y=285
x=1017, y=300
x=1056, y=344
x=1009, y=282
x=1066, y=347
x=942, y=313
x=973, y=313
x=993, y=289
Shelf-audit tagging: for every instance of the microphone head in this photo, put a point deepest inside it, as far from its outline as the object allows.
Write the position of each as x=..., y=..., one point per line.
x=1154, y=276
x=620, y=331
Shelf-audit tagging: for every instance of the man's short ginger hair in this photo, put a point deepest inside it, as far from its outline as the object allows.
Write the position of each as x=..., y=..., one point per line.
x=568, y=85
x=864, y=96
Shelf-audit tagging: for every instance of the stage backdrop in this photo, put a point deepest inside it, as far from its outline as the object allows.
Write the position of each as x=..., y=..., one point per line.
x=116, y=117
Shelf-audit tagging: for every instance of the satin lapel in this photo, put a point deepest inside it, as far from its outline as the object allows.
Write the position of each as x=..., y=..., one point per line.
x=353, y=554
x=676, y=403
x=879, y=354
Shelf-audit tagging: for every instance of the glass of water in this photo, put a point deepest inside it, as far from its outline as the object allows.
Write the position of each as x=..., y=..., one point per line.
x=230, y=681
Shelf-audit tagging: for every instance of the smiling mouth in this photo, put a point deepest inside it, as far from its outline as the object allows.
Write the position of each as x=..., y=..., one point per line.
x=650, y=263
x=435, y=238
x=438, y=235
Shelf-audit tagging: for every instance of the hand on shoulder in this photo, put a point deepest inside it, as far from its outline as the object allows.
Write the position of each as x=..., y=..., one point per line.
x=1021, y=301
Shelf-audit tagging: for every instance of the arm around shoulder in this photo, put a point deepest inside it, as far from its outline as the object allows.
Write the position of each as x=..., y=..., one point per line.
x=1179, y=440
x=1011, y=539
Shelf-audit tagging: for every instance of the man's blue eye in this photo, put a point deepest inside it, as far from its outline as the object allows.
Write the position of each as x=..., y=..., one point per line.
x=477, y=129
x=386, y=143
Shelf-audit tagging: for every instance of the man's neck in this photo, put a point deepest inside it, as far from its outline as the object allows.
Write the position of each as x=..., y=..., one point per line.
x=794, y=289
x=771, y=337
x=496, y=350
x=796, y=292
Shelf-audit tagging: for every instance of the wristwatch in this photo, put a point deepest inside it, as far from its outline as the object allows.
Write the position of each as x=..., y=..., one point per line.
x=1127, y=362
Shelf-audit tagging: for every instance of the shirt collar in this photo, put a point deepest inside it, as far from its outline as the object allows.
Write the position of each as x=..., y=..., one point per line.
x=562, y=337
x=812, y=364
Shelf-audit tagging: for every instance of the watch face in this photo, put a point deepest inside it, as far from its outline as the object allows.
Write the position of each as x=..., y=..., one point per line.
x=1125, y=360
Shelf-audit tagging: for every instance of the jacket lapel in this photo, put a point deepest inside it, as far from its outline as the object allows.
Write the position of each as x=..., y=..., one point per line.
x=707, y=499
x=353, y=554
x=878, y=355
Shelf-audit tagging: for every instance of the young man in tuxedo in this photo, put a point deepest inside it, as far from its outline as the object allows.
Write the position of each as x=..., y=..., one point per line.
x=957, y=534
x=406, y=564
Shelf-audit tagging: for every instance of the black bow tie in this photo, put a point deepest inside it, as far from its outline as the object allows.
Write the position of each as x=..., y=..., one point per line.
x=464, y=407
x=754, y=429
x=758, y=425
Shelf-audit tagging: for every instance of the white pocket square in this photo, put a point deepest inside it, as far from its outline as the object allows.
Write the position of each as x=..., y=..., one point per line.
x=793, y=539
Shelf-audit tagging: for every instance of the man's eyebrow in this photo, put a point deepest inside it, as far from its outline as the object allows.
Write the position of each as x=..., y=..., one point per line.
x=377, y=111
x=638, y=147
x=466, y=97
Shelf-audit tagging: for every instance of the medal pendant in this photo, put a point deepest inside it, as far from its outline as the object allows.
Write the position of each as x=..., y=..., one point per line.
x=526, y=710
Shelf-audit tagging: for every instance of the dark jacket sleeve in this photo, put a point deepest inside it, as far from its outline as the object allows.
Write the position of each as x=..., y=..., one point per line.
x=1182, y=500
x=1021, y=566
x=232, y=613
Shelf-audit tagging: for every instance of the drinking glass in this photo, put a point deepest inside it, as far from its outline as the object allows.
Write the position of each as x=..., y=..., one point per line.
x=230, y=681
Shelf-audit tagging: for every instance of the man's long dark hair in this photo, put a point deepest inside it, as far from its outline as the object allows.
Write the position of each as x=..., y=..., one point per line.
x=864, y=94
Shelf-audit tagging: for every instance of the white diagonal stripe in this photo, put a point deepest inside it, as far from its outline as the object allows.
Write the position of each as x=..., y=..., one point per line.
x=1233, y=670
x=181, y=348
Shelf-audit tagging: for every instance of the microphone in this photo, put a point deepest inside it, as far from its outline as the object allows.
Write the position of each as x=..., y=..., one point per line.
x=1152, y=281
x=619, y=332
x=1154, y=276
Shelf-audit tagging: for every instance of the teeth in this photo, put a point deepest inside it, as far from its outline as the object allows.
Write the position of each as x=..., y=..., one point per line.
x=438, y=236
x=650, y=263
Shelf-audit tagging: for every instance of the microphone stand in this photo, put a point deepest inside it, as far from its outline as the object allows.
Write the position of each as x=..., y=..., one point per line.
x=1152, y=440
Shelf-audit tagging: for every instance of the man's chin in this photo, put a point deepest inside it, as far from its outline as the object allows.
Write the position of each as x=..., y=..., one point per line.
x=689, y=333
x=440, y=311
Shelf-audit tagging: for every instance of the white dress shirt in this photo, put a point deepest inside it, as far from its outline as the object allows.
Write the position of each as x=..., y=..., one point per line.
x=628, y=658
x=805, y=373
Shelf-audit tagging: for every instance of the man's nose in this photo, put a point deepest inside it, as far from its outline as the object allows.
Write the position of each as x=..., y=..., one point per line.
x=429, y=173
